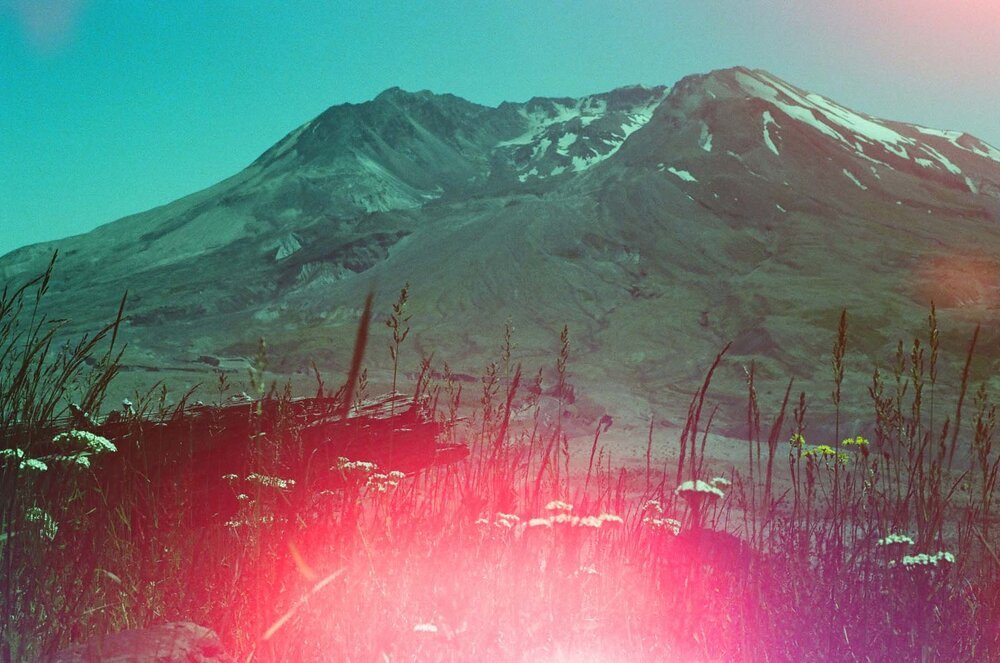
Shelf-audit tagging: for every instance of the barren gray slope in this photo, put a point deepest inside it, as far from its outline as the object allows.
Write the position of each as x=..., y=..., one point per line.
x=658, y=224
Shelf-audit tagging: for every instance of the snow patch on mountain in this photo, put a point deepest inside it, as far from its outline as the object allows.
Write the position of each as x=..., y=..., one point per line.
x=540, y=120
x=855, y=131
x=572, y=136
x=565, y=141
x=976, y=146
x=523, y=177
x=680, y=174
x=705, y=140
x=769, y=120
x=948, y=165
x=758, y=88
x=849, y=175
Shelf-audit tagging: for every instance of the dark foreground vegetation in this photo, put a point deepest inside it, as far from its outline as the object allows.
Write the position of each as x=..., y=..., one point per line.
x=872, y=548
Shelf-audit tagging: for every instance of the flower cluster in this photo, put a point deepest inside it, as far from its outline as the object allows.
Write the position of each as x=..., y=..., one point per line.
x=925, y=560
x=563, y=519
x=585, y=521
x=23, y=463
x=382, y=483
x=81, y=459
x=653, y=506
x=654, y=518
x=271, y=482
x=557, y=505
x=895, y=538
x=858, y=441
x=827, y=452
x=34, y=464
x=721, y=482
x=81, y=440
x=12, y=453
x=697, y=489
x=425, y=628
x=354, y=470
x=671, y=524
x=502, y=520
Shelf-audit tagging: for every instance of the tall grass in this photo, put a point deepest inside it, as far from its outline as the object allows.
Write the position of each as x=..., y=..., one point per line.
x=878, y=547
x=41, y=485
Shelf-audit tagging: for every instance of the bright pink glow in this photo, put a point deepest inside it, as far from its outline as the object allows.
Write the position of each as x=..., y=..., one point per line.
x=959, y=280
x=947, y=42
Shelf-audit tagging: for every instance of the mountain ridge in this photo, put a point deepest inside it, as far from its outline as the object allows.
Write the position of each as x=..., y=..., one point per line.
x=731, y=206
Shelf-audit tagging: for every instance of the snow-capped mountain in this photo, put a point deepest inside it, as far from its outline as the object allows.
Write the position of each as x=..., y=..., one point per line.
x=658, y=223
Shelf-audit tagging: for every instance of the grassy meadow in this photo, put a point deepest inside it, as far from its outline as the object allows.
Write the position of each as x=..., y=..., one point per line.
x=878, y=547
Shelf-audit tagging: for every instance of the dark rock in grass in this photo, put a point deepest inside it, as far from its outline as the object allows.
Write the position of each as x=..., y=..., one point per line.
x=179, y=642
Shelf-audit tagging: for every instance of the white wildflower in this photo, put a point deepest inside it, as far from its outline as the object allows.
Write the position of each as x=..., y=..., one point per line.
x=507, y=519
x=664, y=523
x=271, y=482
x=354, y=469
x=611, y=518
x=556, y=505
x=565, y=519
x=85, y=441
x=589, y=521
x=895, y=538
x=586, y=571
x=425, y=628
x=12, y=453
x=540, y=522
x=229, y=477
x=653, y=505
x=83, y=460
x=923, y=559
x=722, y=482
x=697, y=489
x=381, y=483
x=34, y=464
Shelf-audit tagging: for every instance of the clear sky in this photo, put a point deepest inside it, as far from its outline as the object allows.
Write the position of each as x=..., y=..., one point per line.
x=110, y=107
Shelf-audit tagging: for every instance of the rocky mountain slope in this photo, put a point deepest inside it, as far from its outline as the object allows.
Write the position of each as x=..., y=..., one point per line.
x=658, y=224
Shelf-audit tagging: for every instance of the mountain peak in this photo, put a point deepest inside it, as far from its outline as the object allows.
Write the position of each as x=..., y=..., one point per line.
x=395, y=93
x=734, y=199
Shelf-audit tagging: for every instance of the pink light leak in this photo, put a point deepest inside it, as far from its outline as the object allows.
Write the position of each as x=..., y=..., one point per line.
x=956, y=40
x=959, y=280
x=48, y=25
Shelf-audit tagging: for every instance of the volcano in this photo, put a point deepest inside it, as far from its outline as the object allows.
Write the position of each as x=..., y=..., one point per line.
x=658, y=224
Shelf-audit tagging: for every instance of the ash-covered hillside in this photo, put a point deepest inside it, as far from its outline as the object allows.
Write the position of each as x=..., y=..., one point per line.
x=658, y=223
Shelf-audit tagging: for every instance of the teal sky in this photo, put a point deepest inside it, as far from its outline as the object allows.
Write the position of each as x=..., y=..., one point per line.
x=110, y=107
